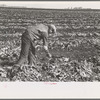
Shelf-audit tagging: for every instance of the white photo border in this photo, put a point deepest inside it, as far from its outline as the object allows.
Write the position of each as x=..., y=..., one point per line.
x=49, y=90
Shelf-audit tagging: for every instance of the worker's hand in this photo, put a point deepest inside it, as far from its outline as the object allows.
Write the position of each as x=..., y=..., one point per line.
x=47, y=51
x=46, y=48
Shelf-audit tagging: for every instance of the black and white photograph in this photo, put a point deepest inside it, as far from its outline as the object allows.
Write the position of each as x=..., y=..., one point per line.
x=49, y=49
x=49, y=41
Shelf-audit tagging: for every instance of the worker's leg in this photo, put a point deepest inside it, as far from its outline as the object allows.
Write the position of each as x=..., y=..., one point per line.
x=31, y=56
x=24, y=48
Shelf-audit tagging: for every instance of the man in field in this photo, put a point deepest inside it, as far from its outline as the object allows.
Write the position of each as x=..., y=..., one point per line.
x=32, y=34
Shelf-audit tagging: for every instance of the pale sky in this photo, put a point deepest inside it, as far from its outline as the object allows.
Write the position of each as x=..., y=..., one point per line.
x=53, y=4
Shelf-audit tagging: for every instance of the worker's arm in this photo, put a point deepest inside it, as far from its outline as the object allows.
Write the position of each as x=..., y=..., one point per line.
x=45, y=45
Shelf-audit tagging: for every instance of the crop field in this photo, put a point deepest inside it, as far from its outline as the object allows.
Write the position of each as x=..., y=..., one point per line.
x=75, y=53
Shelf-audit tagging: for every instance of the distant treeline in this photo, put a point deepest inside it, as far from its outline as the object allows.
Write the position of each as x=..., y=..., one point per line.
x=69, y=9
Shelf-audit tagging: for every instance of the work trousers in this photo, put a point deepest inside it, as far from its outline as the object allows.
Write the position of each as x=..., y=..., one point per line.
x=27, y=50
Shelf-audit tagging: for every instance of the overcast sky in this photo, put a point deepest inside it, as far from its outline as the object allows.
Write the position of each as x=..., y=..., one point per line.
x=54, y=4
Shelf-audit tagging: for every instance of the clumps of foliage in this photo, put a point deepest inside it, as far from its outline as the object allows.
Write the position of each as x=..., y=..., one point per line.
x=67, y=63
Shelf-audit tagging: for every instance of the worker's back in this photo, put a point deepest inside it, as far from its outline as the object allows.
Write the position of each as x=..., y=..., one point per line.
x=38, y=31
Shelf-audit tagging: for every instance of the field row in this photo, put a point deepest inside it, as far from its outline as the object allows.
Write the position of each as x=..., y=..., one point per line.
x=74, y=19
